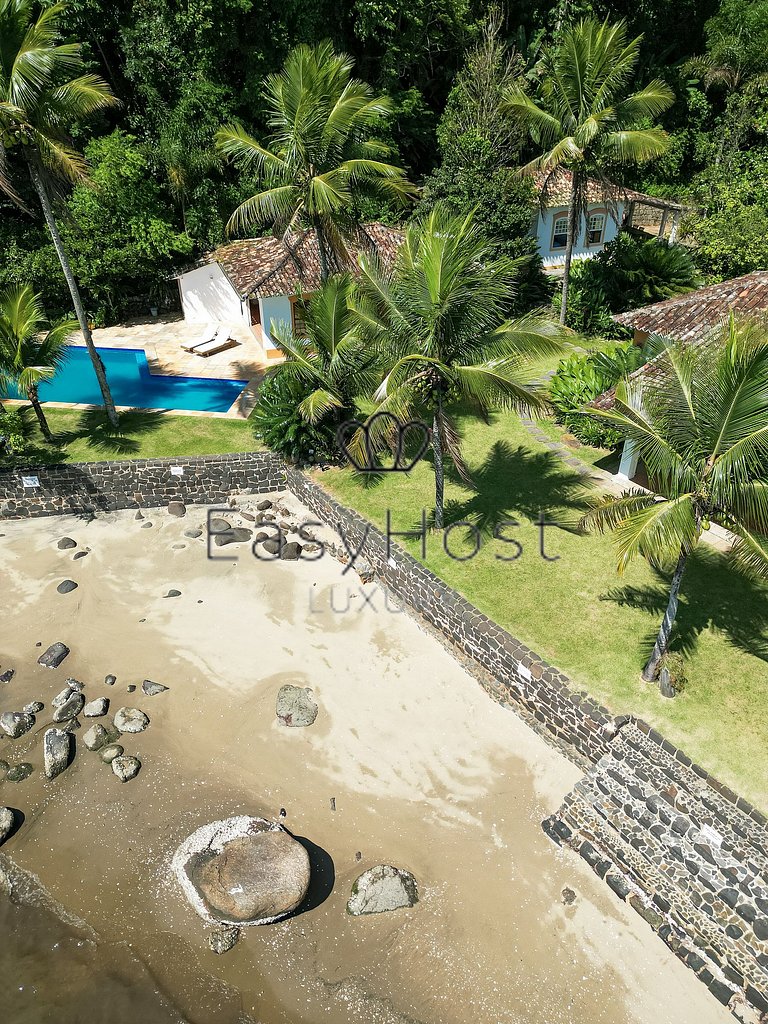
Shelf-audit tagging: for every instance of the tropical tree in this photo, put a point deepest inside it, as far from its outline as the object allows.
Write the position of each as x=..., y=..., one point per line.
x=700, y=425
x=321, y=157
x=438, y=320
x=586, y=120
x=30, y=349
x=41, y=97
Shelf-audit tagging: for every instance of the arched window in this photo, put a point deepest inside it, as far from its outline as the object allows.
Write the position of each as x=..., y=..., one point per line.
x=596, y=227
x=560, y=231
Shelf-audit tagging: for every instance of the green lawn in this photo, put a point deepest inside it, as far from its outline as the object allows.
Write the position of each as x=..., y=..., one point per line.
x=88, y=437
x=600, y=458
x=577, y=613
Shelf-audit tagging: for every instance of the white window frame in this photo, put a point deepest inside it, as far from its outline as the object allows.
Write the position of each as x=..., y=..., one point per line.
x=596, y=213
x=561, y=215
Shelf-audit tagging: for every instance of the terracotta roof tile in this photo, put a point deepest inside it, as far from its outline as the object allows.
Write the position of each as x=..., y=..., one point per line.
x=267, y=266
x=558, y=190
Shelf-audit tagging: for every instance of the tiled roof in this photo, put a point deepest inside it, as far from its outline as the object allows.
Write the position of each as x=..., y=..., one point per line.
x=555, y=190
x=692, y=318
x=267, y=266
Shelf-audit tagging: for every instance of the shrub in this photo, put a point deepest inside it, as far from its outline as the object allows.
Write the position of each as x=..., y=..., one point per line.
x=13, y=441
x=277, y=422
x=580, y=379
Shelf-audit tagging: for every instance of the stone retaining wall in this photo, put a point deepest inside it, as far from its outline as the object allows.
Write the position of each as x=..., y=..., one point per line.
x=136, y=483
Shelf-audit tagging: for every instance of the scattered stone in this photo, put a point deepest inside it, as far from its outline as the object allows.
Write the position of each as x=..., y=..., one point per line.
x=71, y=708
x=8, y=675
x=177, y=508
x=19, y=772
x=173, y=593
x=260, y=536
x=264, y=505
x=7, y=819
x=3, y=770
x=381, y=889
x=54, y=656
x=152, y=689
x=569, y=896
x=146, y=526
x=218, y=525
x=110, y=680
x=75, y=685
x=295, y=706
x=272, y=545
x=193, y=534
x=130, y=720
x=33, y=708
x=16, y=723
x=66, y=542
x=66, y=587
x=138, y=515
x=126, y=767
x=79, y=554
x=62, y=696
x=221, y=940
x=292, y=550
x=364, y=570
x=131, y=687
x=235, y=535
x=96, y=708
x=178, y=547
x=57, y=749
x=248, y=517
x=96, y=737
x=242, y=871
x=110, y=752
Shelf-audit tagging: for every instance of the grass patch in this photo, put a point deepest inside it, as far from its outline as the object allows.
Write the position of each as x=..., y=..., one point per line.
x=89, y=437
x=576, y=612
x=599, y=458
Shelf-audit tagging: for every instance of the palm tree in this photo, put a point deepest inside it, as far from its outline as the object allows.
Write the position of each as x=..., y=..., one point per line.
x=329, y=361
x=700, y=424
x=29, y=354
x=320, y=158
x=437, y=318
x=585, y=120
x=39, y=101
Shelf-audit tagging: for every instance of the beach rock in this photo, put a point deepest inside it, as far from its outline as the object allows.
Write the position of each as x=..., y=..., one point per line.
x=178, y=547
x=193, y=534
x=57, y=748
x=235, y=535
x=4, y=767
x=138, y=515
x=19, y=772
x=146, y=526
x=291, y=551
x=71, y=708
x=33, y=708
x=75, y=685
x=110, y=680
x=248, y=517
x=110, y=752
x=177, y=508
x=66, y=587
x=54, y=656
x=16, y=723
x=381, y=889
x=125, y=767
x=66, y=542
x=96, y=737
x=7, y=819
x=130, y=720
x=295, y=706
x=272, y=545
x=173, y=593
x=63, y=696
x=152, y=689
x=79, y=554
x=96, y=708
x=218, y=525
x=8, y=675
x=264, y=505
x=260, y=536
x=243, y=870
x=221, y=940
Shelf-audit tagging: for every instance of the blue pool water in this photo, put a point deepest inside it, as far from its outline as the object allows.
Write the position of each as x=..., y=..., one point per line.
x=132, y=384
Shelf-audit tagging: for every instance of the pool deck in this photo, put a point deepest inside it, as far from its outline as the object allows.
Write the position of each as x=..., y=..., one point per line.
x=161, y=339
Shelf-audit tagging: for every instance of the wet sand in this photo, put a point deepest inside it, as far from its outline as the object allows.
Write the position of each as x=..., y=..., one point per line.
x=424, y=770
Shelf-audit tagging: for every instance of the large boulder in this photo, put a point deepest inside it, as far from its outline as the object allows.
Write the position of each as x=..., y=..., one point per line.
x=295, y=706
x=242, y=871
x=130, y=720
x=381, y=889
x=57, y=751
x=235, y=535
x=71, y=708
x=54, y=656
x=16, y=723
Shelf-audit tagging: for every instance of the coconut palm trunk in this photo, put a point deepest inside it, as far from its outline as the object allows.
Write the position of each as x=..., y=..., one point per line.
x=437, y=452
x=661, y=646
x=35, y=403
x=77, y=302
x=570, y=241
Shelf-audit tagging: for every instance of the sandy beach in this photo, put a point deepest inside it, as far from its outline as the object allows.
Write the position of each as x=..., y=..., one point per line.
x=409, y=763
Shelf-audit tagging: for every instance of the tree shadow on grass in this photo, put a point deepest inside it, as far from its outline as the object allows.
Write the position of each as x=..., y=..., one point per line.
x=712, y=595
x=105, y=439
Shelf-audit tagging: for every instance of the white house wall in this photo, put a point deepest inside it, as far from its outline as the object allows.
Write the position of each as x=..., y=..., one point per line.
x=556, y=257
x=275, y=310
x=207, y=295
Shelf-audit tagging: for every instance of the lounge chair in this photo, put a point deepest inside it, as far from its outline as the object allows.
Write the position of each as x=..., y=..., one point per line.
x=208, y=333
x=218, y=344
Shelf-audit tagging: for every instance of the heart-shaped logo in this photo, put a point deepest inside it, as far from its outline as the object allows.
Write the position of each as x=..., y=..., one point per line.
x=362, y=455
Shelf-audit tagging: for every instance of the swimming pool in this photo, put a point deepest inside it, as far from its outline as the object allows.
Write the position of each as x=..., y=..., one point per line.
x=132, y=384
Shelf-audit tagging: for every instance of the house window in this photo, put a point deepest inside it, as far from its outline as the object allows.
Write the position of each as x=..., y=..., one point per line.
x=560, y=232
x=596, y=228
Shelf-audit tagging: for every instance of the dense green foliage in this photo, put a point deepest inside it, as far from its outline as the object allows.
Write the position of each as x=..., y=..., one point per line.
x=278, y=422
